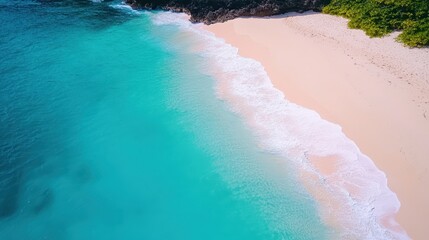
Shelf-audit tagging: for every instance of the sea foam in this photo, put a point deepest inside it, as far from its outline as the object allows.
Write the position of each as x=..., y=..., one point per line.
x=353, y=194
x=126, y=8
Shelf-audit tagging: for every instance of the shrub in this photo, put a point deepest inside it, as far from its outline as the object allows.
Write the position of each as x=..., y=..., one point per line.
x=380, y=17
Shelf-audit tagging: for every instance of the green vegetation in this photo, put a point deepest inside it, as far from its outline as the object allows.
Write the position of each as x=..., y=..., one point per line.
x=380, y=17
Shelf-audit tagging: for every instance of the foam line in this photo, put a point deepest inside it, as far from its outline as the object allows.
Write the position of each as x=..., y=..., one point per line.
x=354, y=197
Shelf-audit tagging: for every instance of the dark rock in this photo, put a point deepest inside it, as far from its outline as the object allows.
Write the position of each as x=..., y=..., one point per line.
x=212, y=11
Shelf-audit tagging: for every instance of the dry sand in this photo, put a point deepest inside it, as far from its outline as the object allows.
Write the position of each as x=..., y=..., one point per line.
x=377, y=90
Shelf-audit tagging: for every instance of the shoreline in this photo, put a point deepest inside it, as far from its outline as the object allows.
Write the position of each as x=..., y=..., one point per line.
x=375, y=89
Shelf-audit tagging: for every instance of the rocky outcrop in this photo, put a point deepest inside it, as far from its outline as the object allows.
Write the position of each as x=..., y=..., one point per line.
x=212, y=11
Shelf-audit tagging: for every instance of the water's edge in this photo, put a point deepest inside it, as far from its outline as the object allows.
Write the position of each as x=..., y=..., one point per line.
x=356, y=188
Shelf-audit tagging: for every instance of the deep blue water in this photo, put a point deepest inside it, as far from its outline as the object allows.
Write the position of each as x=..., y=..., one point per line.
x=107, y=132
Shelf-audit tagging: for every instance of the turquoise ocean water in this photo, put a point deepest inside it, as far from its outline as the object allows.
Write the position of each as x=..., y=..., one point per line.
x=109, y=131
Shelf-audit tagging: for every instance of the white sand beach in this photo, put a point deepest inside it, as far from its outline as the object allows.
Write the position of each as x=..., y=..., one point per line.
x=376, y=89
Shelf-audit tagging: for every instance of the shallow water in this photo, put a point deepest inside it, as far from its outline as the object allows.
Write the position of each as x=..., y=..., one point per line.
x=110, y=131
